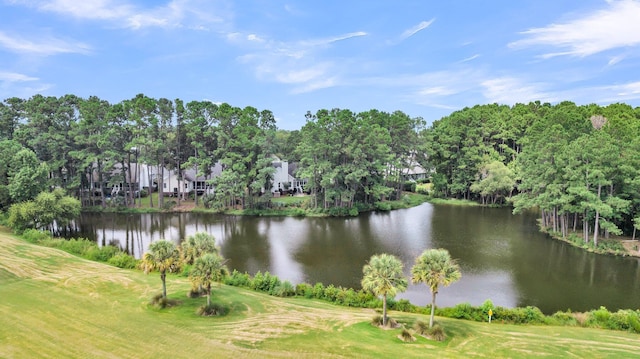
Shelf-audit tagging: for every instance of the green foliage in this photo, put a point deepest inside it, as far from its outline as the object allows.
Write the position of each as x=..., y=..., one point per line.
x=304, y=290
x=265, y=282
x=123, y=260
x=35, y=235
x=285, y=289
x=43, y=211
x=409, y=186
x=464, y=311
x=383, y=276
x=238, y=279
x=317, y=291
x=102, y=254
x=435, y=268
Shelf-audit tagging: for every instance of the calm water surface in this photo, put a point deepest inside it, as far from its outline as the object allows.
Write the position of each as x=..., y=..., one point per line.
x=503, y=257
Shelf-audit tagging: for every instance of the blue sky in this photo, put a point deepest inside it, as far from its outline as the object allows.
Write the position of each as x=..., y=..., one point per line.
x=425, y=58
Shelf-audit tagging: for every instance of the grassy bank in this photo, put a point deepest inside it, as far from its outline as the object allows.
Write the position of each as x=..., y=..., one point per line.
x=454, y=202
x=57, y=305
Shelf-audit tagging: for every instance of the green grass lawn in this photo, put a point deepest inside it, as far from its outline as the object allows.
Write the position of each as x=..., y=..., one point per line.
x=55, y=305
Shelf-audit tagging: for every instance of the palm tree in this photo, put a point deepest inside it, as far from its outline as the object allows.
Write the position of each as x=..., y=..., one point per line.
x=207, y=269
x=435, y=268
x=164, y=257
x=197, y=245
x=383, y=276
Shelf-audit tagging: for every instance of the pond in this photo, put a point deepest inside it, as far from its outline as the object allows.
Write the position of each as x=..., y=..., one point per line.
x=503, y=257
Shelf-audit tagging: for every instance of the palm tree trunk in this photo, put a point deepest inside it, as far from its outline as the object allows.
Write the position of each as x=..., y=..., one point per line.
x=433, y=308
x=384, y=310
x=163, y=277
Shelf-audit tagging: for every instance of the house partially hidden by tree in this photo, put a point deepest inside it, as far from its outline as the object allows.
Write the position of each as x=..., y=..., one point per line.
x=414, y=172
x=284, y=179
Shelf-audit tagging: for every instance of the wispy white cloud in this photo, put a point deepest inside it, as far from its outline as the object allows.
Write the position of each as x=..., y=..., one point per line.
x=15, y=77
x=414, y=30
x=193, y=14
x=470, y=58
x=512, y=90
x=43, y=46
x=623, y=92
x=330, y=40
x=614, y=60
x=615, y=26
x=299, y=64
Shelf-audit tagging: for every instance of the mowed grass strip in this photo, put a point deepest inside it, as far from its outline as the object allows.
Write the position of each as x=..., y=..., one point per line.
x=54, y=305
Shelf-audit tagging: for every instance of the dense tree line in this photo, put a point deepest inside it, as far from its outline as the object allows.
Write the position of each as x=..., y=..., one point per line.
x=68, y=141
x=578, y=164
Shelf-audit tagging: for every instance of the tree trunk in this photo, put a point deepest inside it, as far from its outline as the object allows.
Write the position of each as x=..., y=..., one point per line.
x=595, y=224
x=163, y=277
x=384, y=310
x=433, y=308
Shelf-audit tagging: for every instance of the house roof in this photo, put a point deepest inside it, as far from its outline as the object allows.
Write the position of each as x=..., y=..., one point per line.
x=214, y=171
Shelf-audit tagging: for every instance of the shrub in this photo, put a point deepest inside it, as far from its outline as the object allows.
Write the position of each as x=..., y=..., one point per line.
x=565, y=318
x=421, y=327
x=318, y=291
x=404, y=305
x=123, y=260
x=406, y=336
x=101, y=254
x=159, y=302
x=409, y=186
x=304, y=290
x=598, y=317
x=75, y=246
x=35, y=236
x=285, y=289
x=169, y=204
x=377, y=321
x=238, y=279
x=437, y=333
x=330, y=293
x=214, y=309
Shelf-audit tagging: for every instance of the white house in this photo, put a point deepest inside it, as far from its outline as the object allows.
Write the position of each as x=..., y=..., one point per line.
x=283, y=178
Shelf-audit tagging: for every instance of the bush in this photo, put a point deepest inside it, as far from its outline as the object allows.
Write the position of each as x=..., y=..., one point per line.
x=403, y=305
x=159, y=302
x=318, y=291
x=285, y=289
x=214, y=309
x=406, y=336
x=238, y=279
x=437, y=333
x=383, y=206
x=169, y=205
x=101, y=254
x=35, y=236
x=330, y=293
x=409, y=186
x=598, y=317
x=377, y=321
x=74, y=246
x=123, y=260
x=564, y=318
x=304, y=290
x=421, y=327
